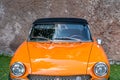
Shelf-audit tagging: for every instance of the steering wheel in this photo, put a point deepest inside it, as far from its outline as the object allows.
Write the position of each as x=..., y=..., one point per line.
x=77, y=37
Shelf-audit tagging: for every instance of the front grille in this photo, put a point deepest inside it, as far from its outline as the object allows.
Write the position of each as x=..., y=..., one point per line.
x=38, y=77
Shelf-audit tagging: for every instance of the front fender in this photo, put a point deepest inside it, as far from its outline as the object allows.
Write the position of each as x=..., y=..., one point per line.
x=97, y=55
x=22, y=55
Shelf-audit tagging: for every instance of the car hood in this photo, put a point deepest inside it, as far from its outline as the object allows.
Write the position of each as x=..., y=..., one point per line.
x=59, y=58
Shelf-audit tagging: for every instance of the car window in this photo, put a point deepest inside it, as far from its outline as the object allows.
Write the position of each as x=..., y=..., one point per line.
x=63, y=32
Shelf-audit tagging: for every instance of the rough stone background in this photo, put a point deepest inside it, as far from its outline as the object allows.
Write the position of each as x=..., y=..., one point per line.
x=103, y=16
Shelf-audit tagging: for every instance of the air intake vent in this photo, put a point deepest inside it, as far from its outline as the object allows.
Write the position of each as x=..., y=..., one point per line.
x=38, y=77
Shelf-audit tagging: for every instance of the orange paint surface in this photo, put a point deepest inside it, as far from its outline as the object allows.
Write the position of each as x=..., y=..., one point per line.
x=60, y=58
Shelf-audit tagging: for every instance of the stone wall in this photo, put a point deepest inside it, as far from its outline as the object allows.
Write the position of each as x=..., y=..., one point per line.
x=103, y=16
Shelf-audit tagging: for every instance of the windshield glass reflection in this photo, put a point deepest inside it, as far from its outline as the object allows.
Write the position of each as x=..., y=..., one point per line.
x=60, y=32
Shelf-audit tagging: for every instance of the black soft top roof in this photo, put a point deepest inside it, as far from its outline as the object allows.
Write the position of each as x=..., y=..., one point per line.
x=60, y=20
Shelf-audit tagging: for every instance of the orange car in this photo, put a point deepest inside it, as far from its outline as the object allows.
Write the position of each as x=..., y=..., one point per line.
x=60, y=49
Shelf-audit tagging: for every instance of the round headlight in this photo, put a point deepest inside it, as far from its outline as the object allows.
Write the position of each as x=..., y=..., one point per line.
x=18, y=69
x=100, y=69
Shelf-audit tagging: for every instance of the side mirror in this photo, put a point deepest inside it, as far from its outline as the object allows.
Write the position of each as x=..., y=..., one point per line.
x=99, y=41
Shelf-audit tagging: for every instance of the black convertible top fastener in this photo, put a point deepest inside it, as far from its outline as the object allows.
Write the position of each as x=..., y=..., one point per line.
x=60, y=20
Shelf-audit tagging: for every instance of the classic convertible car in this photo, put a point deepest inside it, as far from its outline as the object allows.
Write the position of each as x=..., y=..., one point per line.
x=60, y=49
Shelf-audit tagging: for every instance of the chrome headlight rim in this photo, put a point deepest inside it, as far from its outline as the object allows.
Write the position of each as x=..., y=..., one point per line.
x=106, y=66
x=17, y=75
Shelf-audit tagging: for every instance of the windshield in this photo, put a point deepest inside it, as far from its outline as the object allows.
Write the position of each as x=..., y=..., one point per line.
x=60, y=32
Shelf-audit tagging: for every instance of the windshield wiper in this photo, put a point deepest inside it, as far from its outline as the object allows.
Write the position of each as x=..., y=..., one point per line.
x=40, y=38
x=67, y=38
